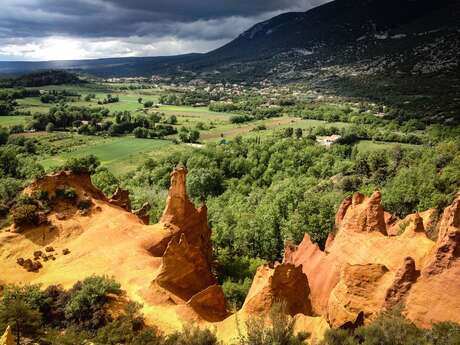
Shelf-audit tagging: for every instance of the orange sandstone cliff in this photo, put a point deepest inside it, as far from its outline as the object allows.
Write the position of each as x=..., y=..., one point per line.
x=369, y=266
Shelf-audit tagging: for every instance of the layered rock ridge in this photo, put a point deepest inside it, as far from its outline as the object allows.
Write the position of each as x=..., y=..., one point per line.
x=376, y=262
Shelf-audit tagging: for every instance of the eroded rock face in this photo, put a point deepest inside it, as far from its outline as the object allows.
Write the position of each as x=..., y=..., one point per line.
x=210, y=304
x=364, y=214
x=358, y=291
x=375, y=262
x=121, y=199
x=448, y=245
x=181, y=216
x=323, y=271
x=405, y=277
x=184, y=270
x=7, y=338
x=167, y=266
x=283, y=283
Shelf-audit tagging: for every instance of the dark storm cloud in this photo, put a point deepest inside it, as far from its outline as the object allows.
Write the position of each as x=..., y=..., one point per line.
x=114, y=18
x=185, y=24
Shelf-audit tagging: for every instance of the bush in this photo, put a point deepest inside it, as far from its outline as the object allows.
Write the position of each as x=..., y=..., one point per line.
x=236, y=292
x=192, y=336
x=67, y=193
x=393, y=329
x=87, y=164
x=4, y=135
x=88, y=299
x=281, y=330
x=20, y=308
x=148, y=104
x=25, y=215
x=49, y=127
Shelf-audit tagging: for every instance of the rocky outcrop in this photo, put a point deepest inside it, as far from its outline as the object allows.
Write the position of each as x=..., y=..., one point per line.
x=376, y=262
x=121, y=199
x=210, y=304
x=284, y=284
x=358, y=292
x=363, y=214
x=405, y=277
x=184, y=270
x=181, y=216
x=322, y=271
x=165, y=266
x=51, y=184
x=7, y=338
x=447, y=250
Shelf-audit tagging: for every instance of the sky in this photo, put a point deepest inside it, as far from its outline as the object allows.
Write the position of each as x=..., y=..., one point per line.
x=87, y=29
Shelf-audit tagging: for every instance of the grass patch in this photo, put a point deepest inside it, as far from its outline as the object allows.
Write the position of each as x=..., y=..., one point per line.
x=120, y=155
x=13, y=120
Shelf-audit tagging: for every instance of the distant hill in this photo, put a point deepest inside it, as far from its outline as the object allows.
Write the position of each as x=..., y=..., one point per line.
x=42, y=78
x=110, y=67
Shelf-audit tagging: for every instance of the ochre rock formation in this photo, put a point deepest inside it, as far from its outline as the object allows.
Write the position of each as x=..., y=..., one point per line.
x=7, y=338
x=166, y=266
x=284, y=284
x=376, y=262
x=184, y=271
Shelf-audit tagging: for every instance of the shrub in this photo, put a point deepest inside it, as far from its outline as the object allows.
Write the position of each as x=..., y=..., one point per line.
x=4, y=135
x=192, y=336
x=148, y=104
x=25, y=214
x=87, y=164
x=66, y=192
x=20, y=308
x=236, y=292
x=50, y=127
x=281, y=330
x=87, y=301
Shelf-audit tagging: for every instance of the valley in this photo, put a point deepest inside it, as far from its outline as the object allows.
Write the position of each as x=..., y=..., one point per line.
x=298, y=184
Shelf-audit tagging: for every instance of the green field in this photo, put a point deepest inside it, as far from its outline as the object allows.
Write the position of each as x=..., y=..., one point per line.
x=120, y=154
x=368, y=145
x=12, y=120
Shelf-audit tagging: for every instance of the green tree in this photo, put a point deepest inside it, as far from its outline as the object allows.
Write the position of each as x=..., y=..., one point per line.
x=20, y=313
x=4, y=135
x=298, y=133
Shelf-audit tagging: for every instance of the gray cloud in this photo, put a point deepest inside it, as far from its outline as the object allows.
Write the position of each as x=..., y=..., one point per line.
x=135, y=27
